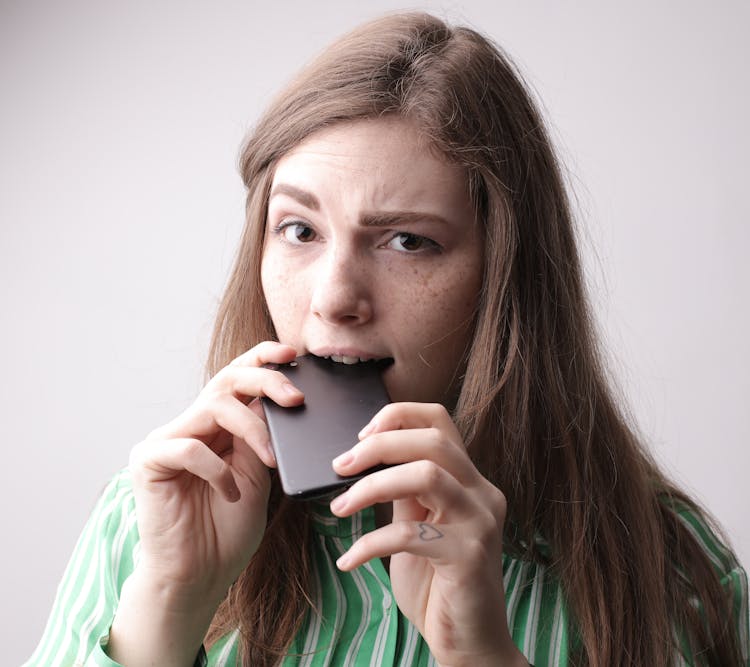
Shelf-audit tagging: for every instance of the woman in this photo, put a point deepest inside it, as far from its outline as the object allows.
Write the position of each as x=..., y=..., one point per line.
x=404, y=202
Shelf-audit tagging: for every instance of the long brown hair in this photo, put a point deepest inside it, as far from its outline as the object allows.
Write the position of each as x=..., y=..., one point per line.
x=535, y=407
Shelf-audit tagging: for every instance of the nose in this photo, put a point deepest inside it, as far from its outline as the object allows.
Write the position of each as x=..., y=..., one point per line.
x=342, y=291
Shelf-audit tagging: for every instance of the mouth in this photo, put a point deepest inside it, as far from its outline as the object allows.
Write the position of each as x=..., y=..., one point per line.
x=354, y=358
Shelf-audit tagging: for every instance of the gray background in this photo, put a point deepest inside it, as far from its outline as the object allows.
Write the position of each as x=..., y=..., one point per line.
x=120, y=208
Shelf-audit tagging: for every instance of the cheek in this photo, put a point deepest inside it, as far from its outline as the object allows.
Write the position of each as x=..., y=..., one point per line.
x=438, y=310
x=453, y=299
x=282, y=293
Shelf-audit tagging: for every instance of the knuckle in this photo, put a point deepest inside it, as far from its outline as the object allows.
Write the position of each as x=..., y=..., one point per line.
x=191, y=449
x=225, y=381
x=405, y=531
x=200, y=416
x=367, y=448
x=487, y=522
x=205, y=401
x=221, y=378
x=367, y=485
x=396, y=412
x=438, y=439
x=436, y=410
x=474, y=549
x=391, y=408
x=498, y=503
x=248, y=357
x=430, y=473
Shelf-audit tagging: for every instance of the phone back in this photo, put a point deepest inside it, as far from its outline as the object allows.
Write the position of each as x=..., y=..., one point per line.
x=340, y=400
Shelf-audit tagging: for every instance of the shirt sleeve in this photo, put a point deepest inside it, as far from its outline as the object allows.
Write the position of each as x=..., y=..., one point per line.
x=735, y=583
x=87, y=597
x=731, y=574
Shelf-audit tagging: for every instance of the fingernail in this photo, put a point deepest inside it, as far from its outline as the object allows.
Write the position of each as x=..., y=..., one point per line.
x=343, y=562
x=270, y=452
x=367, y=430
x=343, y=460
x=338, y=503
x=290, y=389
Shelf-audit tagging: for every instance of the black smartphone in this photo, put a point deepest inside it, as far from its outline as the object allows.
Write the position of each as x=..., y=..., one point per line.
x=340, y=400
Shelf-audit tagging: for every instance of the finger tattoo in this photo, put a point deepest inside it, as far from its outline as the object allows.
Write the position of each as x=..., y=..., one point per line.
x=428, y=532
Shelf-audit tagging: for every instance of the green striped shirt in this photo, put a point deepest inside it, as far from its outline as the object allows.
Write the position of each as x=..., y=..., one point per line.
x=358, y=621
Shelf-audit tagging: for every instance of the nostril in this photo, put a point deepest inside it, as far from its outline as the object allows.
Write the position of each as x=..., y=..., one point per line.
x=341, y=309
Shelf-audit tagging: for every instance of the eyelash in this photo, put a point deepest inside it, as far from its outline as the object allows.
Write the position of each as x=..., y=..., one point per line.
x=431, y=246
x=288, y=224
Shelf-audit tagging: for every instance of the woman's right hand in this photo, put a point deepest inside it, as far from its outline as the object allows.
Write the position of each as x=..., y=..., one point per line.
x=202, y=482
x=201, y=486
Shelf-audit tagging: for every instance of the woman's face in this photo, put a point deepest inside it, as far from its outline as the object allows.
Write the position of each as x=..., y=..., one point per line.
x=372, y=250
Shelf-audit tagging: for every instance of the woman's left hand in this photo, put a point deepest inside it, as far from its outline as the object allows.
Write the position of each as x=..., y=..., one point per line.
x=445, y=539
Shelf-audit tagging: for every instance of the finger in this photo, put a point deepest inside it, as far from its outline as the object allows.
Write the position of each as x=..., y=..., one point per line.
x=419, y=538
x=237, y=418
x=429, y=484
x=402, y=446
x=201, y=419
x=161, y=461
x=397, y=416
x=252, y=381
x=257, y=409
x=267, y=352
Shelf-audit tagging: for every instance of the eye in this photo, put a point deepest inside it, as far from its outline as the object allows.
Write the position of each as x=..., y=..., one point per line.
x=406, y=242
x=296, y=232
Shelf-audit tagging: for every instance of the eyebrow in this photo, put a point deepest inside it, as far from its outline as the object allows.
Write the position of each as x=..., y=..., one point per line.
x=379, y=219
x=398, y=218
x=307, y=199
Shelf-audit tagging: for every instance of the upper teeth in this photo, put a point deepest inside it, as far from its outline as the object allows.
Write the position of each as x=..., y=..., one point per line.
x=345, y=360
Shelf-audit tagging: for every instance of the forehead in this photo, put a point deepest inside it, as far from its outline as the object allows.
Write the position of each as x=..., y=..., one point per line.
x=379, y=135
x=386, y=156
